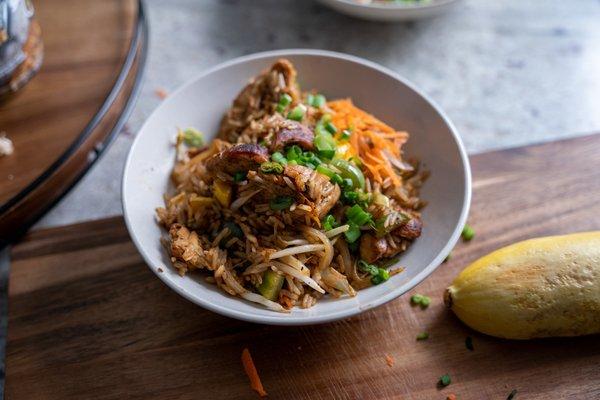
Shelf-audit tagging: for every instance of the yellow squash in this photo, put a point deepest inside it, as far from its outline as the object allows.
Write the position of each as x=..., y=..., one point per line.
x=537, y=288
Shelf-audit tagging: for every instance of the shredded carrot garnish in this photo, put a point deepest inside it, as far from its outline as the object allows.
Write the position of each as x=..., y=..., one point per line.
x=451, y=397
x=389, y=360
x=372, y=141
x=250, y=369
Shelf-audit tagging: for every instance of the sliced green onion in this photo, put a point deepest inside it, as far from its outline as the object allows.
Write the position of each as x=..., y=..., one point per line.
x=329, y=223
x=382, y=276
x=318, y=101
x=468, y=233
x=352, y=234
x=423, y=336
x=331, y=128
x=421, y=300
x=297, y=113
x=293, y=153
x=445, y=380
x=346, y=134
x=512, y=394
x=281, y=203
x=378, y=275
x=278, y=157
x=369, y=268
x=336, y=178
x=416, y=299
x=285, y=100
x=325, y=171
x=310, y=98
x=271, y=285
x=193, y=137
x=325, y=144
x=351, y=171
x=292, y=162
x=240, y=176
x=271, y=167
x=349, y=197
x=310, y=165
x=357, y=215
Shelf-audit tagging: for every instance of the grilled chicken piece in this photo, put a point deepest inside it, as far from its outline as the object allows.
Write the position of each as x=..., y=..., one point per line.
x=259, y=98
x=410, y=230
x=401, y=226
x=185, y=246
x=240, y=157
x=317, y=188
x=372, y=248
x=292, y=132
x=304, y=185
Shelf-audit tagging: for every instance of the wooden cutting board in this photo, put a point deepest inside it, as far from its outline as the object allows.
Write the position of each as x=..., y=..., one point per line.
x=87, y=319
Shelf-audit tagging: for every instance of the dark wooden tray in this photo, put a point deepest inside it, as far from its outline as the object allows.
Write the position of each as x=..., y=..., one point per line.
x=87, y=319
x=66, y=116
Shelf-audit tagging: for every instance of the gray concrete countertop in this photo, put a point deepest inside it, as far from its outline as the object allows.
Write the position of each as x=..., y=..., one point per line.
x=507, y=72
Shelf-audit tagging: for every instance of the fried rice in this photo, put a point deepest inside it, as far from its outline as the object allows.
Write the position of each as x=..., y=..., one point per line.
x=297, y=197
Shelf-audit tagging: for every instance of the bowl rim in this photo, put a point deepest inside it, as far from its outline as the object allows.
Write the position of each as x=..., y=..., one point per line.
x=288, y=319
x=395, y=7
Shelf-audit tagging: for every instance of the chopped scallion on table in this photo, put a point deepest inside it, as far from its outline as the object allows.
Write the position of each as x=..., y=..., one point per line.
x=421, y=300
x=423, y=336
x=445, y=380
x=468, y=233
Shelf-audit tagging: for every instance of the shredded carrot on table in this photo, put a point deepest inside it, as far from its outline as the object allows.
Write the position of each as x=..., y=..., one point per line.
x=451, y=397
x=389, y=360
x=250, y=369
x=372, y=141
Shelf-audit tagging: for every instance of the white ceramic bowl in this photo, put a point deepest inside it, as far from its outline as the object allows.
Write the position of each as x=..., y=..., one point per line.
x=390, y=12
x=201, y=104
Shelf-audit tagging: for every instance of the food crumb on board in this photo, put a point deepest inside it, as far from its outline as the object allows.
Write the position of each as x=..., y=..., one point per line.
x=6, y=145
x=11, y=177
x=252, y=373
x=160, y=270
x=389, y=360
x=161, y=93
x=512, y=395
x=451, y=396
x=469, y=343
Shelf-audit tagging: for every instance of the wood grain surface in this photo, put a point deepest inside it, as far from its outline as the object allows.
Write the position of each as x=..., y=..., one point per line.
x=87, y=319
x=86, y=43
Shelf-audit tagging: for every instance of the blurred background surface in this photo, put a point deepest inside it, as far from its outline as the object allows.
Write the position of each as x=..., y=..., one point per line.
x=506, y=72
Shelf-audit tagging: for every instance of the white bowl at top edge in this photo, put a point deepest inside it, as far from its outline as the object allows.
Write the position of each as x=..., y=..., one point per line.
x=201, y=103
x=390, y=12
